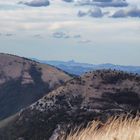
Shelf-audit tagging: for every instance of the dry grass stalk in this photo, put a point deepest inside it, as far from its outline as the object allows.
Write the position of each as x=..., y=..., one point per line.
x=114, y=129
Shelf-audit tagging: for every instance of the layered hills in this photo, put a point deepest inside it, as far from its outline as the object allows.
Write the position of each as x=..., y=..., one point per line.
x=76, y=68
x=93, y=96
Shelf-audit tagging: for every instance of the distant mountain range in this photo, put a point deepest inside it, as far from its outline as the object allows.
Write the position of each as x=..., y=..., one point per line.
x=76, y=68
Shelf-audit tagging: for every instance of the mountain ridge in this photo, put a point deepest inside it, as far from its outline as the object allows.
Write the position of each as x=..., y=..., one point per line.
x=77, y=68
x=94, y=95
x=23, y=81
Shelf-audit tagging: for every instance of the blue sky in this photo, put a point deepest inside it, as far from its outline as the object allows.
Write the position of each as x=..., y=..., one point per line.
x=103, y=31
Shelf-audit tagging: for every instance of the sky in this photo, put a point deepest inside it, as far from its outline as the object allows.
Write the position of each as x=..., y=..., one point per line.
x=91, y=31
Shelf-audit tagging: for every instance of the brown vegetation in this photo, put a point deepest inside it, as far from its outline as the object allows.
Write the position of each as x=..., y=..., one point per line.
x=114, y=129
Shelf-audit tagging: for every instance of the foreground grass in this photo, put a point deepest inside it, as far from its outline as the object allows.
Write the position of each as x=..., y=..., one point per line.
x=113, y=129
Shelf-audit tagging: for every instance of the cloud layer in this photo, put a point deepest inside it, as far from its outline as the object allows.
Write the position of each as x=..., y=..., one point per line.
x=132, y=12
x=64, y=35
x=94, y=12
x=60, y=35
x=100, y=3
x=104, y=3
x=36, y=3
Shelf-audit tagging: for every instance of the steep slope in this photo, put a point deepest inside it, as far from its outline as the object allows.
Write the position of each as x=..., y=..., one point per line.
x=95, y=95
x=23, y=82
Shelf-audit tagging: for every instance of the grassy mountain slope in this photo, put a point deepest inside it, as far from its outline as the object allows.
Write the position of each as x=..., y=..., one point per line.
x=95, y=95
x=23, y=82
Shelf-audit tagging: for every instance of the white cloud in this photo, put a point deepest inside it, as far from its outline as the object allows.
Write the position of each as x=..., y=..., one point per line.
x=53, y=18
x=131, y=12
x=104, y=3
x=95, y=12
x=36, y=3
